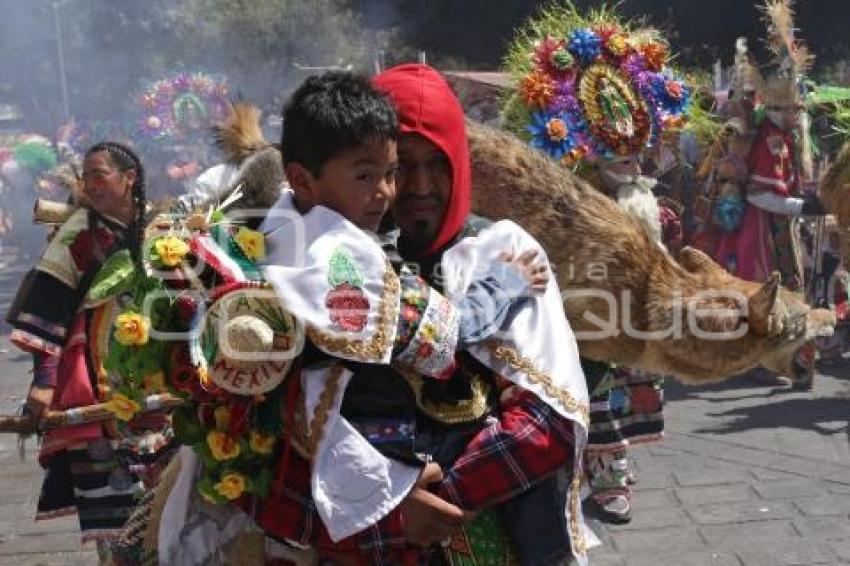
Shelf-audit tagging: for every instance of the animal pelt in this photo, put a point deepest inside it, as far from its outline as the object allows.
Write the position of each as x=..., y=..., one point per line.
x=638, y=200
x=610, y=270
x=260, y=176
x=239, y=134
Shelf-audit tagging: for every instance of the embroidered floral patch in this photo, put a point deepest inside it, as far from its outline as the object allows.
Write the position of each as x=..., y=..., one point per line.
x=414, y=301
x=347, y=303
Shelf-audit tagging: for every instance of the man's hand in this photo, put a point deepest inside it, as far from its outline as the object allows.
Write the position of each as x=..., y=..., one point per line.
x=38, y=402
x=537, y=274
x=426, y=518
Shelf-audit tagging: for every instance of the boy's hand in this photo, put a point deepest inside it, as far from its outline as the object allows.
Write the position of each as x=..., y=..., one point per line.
x=38, y=402
x=537, y=274
x=426, y=518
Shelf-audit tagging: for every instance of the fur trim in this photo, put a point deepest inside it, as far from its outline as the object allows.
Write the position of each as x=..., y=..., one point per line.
x=240, y=135
x=637, y=200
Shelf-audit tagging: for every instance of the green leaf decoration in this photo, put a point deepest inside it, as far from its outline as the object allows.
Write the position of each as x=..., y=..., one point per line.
x=343, y=269
x=186, y=427
x=115, y=276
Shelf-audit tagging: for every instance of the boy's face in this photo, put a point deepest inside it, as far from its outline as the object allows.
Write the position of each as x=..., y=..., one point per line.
x=359, y=183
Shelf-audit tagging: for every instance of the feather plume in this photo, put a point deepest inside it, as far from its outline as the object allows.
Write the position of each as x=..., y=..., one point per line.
x=240, y=135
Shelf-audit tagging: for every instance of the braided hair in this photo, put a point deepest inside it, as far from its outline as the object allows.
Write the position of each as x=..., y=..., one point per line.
x=126, y=159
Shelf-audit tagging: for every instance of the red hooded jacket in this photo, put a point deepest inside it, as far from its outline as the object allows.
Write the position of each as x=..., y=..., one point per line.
x=427, y=106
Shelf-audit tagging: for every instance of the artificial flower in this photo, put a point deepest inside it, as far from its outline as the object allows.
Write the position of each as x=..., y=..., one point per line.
x=655, y=55
x=251, y=242
x=537, y=89
x=171, y=250
x=545, y=56
x=617, y=45
x=131, y=329
x=231, y=486
x=550, y=133
x=562, y=59
x=222, y=446
x=605, y=30
x=122, y=406
x=584, y=45
x=261, y=443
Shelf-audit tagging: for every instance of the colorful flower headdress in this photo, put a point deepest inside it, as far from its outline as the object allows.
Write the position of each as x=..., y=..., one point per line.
x=592, y=87
x=172, y=106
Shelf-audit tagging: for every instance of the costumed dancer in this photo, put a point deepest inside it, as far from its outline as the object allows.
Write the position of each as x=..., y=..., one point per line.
x=778, y=168
x=404, y=415
x=351, y=319
x=92, y=471
x=594, y=94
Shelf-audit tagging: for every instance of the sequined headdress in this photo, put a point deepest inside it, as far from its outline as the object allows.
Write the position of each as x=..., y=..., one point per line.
x=591, y=86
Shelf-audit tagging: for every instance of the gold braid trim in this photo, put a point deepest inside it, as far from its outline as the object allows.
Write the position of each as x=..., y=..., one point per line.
x=464, y=411
x=576, y=535
x=516, y=361
x=320, y=414
x=375, y=348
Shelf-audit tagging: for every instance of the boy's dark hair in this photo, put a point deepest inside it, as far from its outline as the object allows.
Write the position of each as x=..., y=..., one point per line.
x=333, y=112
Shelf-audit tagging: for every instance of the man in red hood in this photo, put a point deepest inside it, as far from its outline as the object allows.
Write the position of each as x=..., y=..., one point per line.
x=504, y=465
x=434, y=178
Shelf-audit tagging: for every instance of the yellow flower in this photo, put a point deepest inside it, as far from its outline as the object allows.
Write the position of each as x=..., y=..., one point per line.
x=122, y=406
x=171, y=250
x=261, y=444
x=252, y=243
x=231, y=486
x=222, y=417
x=428, y=332
x=131, y=329
x=222, y=446
x=154, y=383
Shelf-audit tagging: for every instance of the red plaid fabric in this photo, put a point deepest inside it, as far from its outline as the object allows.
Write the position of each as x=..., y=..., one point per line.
x=525, y=445
x=529, y=442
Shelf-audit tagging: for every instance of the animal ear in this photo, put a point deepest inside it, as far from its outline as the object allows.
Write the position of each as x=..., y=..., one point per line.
x=761, y=304
x=695, y=261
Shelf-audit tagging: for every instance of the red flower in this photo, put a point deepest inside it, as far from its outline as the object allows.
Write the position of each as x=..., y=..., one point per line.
x=84, y=249
x=349, y=307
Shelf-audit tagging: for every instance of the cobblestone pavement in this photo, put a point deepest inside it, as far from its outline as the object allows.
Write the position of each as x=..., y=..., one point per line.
x=747, y=475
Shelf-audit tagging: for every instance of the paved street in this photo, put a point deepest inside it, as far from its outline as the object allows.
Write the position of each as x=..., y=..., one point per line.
x=746, y=476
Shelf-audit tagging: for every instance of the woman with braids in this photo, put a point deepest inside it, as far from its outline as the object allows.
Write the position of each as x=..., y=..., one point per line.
x=90, y=470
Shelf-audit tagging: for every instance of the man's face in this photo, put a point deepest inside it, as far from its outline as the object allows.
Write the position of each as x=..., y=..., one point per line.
x=424, y=188
x=358, y=183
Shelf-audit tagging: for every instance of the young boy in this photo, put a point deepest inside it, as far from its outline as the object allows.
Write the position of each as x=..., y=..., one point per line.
x=339, y=150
